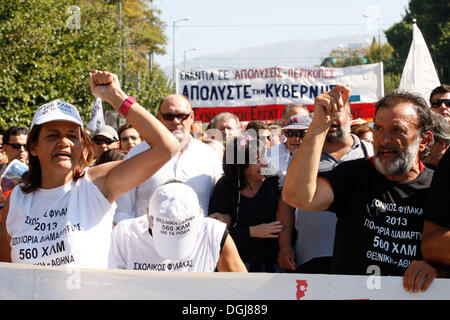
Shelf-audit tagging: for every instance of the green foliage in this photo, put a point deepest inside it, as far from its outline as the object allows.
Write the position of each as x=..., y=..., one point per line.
x=149, y=89
x=44, y=56
x=432, y=20
x=346, y=57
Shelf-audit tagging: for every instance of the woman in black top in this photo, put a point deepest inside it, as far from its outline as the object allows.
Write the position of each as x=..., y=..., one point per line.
x=247, y=200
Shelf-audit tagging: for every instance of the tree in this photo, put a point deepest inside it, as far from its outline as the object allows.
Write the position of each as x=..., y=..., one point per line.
x=49, y=48
x=432, y=19
x=346, y=57
x=45, y=56
x=391, y=77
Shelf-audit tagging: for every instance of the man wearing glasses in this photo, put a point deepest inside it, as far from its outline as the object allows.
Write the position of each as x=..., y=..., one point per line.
x=196, y=164
x=278, y=156
x=314, y=244
x=104, y=138
x=14, y=142
x=440, y=100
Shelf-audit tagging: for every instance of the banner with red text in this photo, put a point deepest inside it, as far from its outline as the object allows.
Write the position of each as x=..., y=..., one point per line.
x=262, y=93
x=21, y=281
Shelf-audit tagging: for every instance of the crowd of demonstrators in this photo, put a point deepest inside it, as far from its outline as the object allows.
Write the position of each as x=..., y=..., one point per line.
x=315, y=231
x=314, y=193
x=246, y=200
x=378, y=202
x=63, y=204
x=196, y=164
x=173, y=236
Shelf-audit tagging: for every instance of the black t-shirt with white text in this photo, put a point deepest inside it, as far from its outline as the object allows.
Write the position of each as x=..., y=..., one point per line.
x=379, y=221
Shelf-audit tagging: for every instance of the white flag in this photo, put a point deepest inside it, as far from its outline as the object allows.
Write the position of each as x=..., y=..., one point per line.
x=419, y=74
x=97, y=118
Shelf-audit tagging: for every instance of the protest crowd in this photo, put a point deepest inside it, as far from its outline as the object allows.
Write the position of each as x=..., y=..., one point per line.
x=315, y=192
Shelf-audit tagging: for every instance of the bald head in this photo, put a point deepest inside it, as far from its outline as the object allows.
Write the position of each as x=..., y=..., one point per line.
x=173, y=99
x=175, y=112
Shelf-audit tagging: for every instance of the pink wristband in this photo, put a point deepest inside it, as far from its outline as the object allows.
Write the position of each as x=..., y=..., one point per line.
x=125, y=106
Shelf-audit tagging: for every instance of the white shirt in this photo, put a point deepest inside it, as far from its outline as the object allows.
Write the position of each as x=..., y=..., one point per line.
x=133, y=248
x=67, y=225
x=278, y=158
x=198, y=166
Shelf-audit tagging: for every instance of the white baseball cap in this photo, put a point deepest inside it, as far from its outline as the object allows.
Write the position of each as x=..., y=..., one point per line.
x=54, y=111
x=175, y=220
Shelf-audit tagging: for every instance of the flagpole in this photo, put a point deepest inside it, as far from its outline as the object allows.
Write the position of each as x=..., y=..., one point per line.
x=414, y=57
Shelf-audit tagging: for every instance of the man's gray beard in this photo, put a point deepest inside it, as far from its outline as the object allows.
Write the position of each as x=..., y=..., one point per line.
x=340, y=135
x=403, y=163
x=182, y=136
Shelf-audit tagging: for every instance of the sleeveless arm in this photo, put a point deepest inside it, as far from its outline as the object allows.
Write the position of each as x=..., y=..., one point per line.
x=229, y=260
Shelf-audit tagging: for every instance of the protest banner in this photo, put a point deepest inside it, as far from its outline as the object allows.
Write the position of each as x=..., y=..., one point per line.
x=21, y=281
x=262, y=93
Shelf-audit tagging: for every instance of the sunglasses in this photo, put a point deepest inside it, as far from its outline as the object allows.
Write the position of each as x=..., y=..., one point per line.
x=295, y=133
x=438, y=102
x=125, y=139
x=171, y=116
x=16, y=146
x=103, y=141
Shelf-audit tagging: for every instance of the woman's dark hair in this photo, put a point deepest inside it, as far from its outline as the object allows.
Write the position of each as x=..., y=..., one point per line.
x=111, y=155
x=32, y=179
x=240, y=152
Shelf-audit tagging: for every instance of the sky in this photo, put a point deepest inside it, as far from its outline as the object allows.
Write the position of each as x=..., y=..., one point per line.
x=223, y=26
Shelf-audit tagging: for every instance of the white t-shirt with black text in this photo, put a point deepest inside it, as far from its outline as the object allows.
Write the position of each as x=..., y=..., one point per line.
x=67, y=225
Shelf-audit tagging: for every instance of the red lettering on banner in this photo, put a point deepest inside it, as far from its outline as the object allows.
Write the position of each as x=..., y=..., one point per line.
x=296, y=73
x=272, y=112
x=302, y=286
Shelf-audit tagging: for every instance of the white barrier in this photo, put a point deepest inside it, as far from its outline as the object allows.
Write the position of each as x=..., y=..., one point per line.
x=19, y=281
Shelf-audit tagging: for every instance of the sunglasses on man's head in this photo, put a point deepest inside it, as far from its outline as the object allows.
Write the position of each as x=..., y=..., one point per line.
x=295, y=133
x=438, y=102
x=103, y=141
x=171, y=116
x=16, y=146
